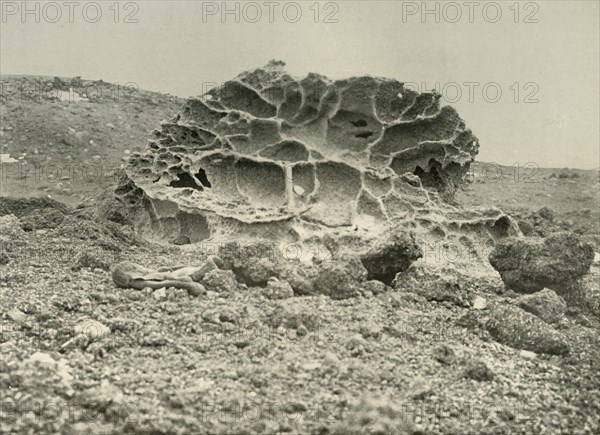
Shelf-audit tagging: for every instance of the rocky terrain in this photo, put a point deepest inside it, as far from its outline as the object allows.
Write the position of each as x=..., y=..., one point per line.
x=415, y=333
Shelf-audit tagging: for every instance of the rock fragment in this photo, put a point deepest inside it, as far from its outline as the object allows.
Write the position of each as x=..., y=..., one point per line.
x=340, y=279
x=220, y=281
x=545, y=304
x=516, y=328
x=277, y=289
x=478, y=370
x=390, y=256
x=252, y=264
x=528, y=265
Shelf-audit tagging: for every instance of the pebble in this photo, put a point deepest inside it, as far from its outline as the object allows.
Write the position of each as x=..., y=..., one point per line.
x=527, y=354
x=161, y=293
x=420, y=389
x=17, y=315
x=479, y=303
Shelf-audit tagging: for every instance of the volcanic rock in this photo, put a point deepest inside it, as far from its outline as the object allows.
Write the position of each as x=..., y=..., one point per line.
x=269, y=156
x=220, y=281
x=545, y=304
x=340, y=279
x=253, y=264
x=390, y=256
x=278, y=289
x=514, y=327
x=527, y=265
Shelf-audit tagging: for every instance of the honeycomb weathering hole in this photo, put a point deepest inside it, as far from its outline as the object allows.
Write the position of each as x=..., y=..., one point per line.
x=185, y=180
x=287, y=151
x=201, y=176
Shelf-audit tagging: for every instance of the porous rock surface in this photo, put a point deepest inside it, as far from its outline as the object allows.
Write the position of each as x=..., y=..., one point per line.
x=545, y=304
x=557, y=262
x=269, y=156
x=516, y=328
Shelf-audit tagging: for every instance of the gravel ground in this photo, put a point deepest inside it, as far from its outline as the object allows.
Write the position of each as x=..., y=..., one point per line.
x=81, y=356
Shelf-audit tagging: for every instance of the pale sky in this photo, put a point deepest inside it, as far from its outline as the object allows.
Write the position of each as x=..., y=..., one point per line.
x=174, y=48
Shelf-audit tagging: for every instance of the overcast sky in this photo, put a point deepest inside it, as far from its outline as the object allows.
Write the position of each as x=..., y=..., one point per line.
x=546, y=65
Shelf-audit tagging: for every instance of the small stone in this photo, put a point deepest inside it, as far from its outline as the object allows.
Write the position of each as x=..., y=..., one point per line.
x=17, y=316
x=527, y=354
x=161, y=293
x=340, y=278
x=277, y=289
x=94, y=258
x=546, y=213
x=301, y=331
x=102, y=397
x=478, y=370
x=252, y=264
x=444, y=354
x=229, y=315
x=374, y=287
x=370, y=330
x=298, y=190
x=356, y=345
x=220, y=281
x=436, y=287
x=4, y=258
x=479, y=303
x=420, y=389
x=331, y=359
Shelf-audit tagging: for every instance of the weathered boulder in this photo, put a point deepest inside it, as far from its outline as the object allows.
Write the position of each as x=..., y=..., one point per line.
x=267, y=155
x=276, y=289
x=528, y=265
x=545, y=304
x=340, y=279
x=441, y=285
x=514, y=327
x=93, y=258
x=220, y=281
x=252, y=264
x=478, y=370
